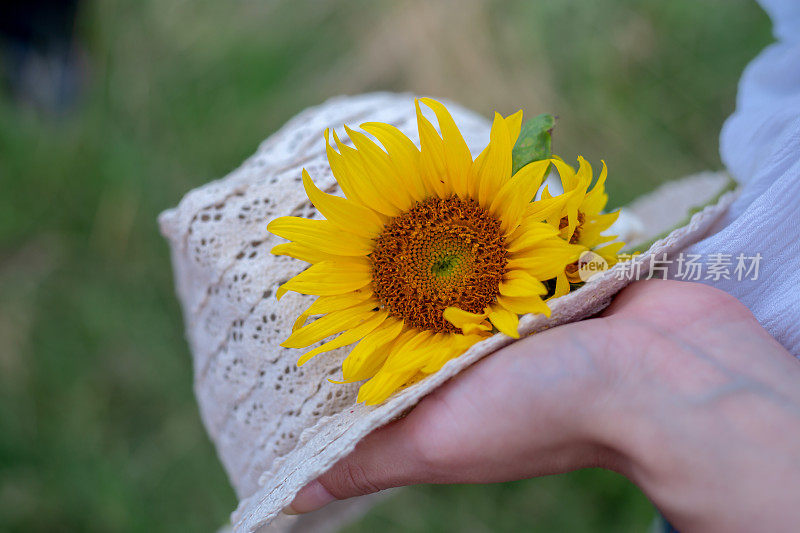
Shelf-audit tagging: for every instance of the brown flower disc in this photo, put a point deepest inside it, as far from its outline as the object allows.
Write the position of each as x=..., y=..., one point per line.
x=440, y=253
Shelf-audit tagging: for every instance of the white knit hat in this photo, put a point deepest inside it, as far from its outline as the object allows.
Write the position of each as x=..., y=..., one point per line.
x=276, y=426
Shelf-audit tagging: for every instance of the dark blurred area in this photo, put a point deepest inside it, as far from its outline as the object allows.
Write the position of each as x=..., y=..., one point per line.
x=40, y=53
x=111, y=110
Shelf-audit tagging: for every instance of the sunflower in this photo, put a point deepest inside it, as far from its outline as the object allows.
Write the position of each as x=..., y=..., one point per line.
x=581, y=220
x=427, y=253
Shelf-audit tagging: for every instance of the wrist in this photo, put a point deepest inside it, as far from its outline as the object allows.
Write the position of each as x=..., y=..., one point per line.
x=704, y=431
x=598, y=408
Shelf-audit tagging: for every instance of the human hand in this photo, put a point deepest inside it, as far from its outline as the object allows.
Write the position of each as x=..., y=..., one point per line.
x=675, y=386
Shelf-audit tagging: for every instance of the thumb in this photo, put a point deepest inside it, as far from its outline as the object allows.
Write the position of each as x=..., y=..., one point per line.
x=383, y=459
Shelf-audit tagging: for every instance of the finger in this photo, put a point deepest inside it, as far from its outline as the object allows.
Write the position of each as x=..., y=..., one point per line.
x=385, y=458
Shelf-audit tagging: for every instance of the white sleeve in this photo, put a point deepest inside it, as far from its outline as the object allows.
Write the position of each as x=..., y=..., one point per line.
x=760, y=146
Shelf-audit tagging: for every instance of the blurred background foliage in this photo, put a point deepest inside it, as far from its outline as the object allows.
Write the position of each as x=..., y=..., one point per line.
x=98, y=427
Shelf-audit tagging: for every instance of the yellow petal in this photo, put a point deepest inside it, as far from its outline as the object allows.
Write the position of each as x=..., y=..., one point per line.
x=513, y=198
x=380, y=387
x=584, y=169
x=529, y=234
x=456, y=153
x=514, y=125
x=347, y=215
x=329, y=304
x=412, y=354
x=320, y=235
x=553, y=214
x=562, y=286
x=505, y=321
x=342, y=172
x=378, y=168
x=591, y=230
x=596, y=199
x=605, y=220
x=328, y=277
x=493, y=167
x=301, y=252
x=549, y=208
x=328, y=325
x=566, y=173
x=609, y=252
x=576, y=185
x=433, y=168
x=429, y=354
x=404, y=155
x=369, y=355
x=524, y=305
x=464, y=320
x=419, y=356
x=348, y=337
x=337, y=302
x=521, y=284
x=546, y=260
x=453, y=346
x=360, y=179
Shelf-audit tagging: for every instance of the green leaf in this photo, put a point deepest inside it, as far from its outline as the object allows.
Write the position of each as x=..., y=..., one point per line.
x=534, y=141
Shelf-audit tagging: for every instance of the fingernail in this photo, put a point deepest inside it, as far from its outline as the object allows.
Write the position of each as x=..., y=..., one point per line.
x=310, y=498
x=289, y=510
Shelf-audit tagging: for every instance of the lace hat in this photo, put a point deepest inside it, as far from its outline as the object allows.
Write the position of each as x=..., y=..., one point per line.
x=276, y=426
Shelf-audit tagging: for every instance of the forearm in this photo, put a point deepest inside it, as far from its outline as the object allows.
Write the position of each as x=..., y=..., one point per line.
x=709, y=427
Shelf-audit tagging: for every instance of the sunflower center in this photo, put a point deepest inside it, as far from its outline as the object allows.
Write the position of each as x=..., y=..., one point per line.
x=442, y=252
x=446, y=265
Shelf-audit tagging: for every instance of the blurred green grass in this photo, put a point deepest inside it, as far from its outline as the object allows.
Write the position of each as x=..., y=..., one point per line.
x=98, y=427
